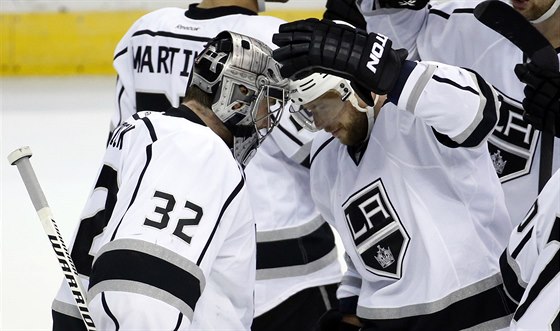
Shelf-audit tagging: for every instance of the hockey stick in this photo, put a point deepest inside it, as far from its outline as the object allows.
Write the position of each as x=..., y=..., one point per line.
x=20, y=158
x=505, y=20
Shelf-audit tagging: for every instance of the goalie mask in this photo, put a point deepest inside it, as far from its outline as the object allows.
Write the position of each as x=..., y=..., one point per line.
x=316, y=86
x=242, y=77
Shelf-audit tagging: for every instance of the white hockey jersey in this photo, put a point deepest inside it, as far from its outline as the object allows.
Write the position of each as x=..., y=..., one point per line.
x=448, y=32
x=153, y=62
x=165, y=242
x=531, y=264
x=419, y=207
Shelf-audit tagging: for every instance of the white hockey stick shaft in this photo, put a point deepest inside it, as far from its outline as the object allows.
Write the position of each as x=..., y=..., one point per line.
x=20, y=158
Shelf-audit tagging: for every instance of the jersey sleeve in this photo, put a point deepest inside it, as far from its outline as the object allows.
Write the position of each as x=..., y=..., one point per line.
x=530, y=265
x=293, y=140
x=460, y=106
x=400, y=25
x=125, y=102
x=349, y=288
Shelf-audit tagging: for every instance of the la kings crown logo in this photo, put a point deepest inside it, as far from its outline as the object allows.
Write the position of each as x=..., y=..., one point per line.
x=512, y=145
x=379, y=236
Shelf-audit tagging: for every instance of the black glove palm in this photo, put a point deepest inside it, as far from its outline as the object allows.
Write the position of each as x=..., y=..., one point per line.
x=311, y=45
x=542, y=95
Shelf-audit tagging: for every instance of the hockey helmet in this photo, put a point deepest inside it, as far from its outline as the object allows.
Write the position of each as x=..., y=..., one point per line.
x=240, y=74
x=315, y=86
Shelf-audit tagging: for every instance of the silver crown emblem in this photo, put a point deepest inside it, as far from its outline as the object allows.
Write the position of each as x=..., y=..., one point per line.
x=499, y=163
x=384, y=256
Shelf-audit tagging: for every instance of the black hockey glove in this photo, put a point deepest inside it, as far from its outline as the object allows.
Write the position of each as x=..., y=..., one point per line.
x=542, y=95
x=331, y=320
x=345, y=10
x=406, y=4
x=311, y=45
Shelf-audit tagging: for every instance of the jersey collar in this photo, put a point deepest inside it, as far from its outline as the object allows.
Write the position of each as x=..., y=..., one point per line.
x=186, y=113
x=208, y=13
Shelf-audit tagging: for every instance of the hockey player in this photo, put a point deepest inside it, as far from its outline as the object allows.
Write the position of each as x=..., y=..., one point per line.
x=448, y=32
x=297, y=263
x=407, y=182
x=167, y=238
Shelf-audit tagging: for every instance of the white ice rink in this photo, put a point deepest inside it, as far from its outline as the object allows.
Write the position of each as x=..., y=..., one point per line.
x=65, y=121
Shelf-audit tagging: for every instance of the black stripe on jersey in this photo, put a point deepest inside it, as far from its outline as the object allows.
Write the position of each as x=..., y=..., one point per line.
x=63, y=322
x=551, y=270
x=450, y=82
x=226, y=204
x=556, y=322
x=306, y=162
x=179, y=321
x=522, y=243
x=510, y=279
x=92, y=226
x=109, y=312
x=120, y=53
x=170, y=35
x=456, y=11
x=151, y=129
x=121, y=92
x=483, y=307
x=289, y=135
x=136, y=271
x=148, y=159
x=319, y=149
x=439, y=13
x=486, y=125
x=295, y=251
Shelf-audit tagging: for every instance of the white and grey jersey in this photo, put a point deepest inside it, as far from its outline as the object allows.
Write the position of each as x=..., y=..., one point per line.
x=448, y=32
x=153, y=62
x=154, y=58
x=419, y=207
x=295, y=246
x=531, y=263
x=165, y=241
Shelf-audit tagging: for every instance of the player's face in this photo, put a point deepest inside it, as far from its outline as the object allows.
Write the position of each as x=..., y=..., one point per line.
x=532, y=9
x=339, y=118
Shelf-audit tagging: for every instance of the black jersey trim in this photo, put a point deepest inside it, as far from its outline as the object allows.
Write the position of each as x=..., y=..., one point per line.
x=295, y=251
x=510, y=278
x=121, y=92
x=109, y=312
x=135, y=193
x=170, y=35
x=289, y=135
x=232, y=196
x=522, y=243
x=63, y=322
x=320, y=149
x=196, y=13
x=135, y=266
x=490, y=306
x=92, y=226
x=124, y=51
x=452, y=83
x=486, y=125
x=439, y=13
x=551, y=270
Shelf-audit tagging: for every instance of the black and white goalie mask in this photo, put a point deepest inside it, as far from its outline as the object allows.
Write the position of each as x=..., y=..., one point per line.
x=248, y=91
x=314, y=88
